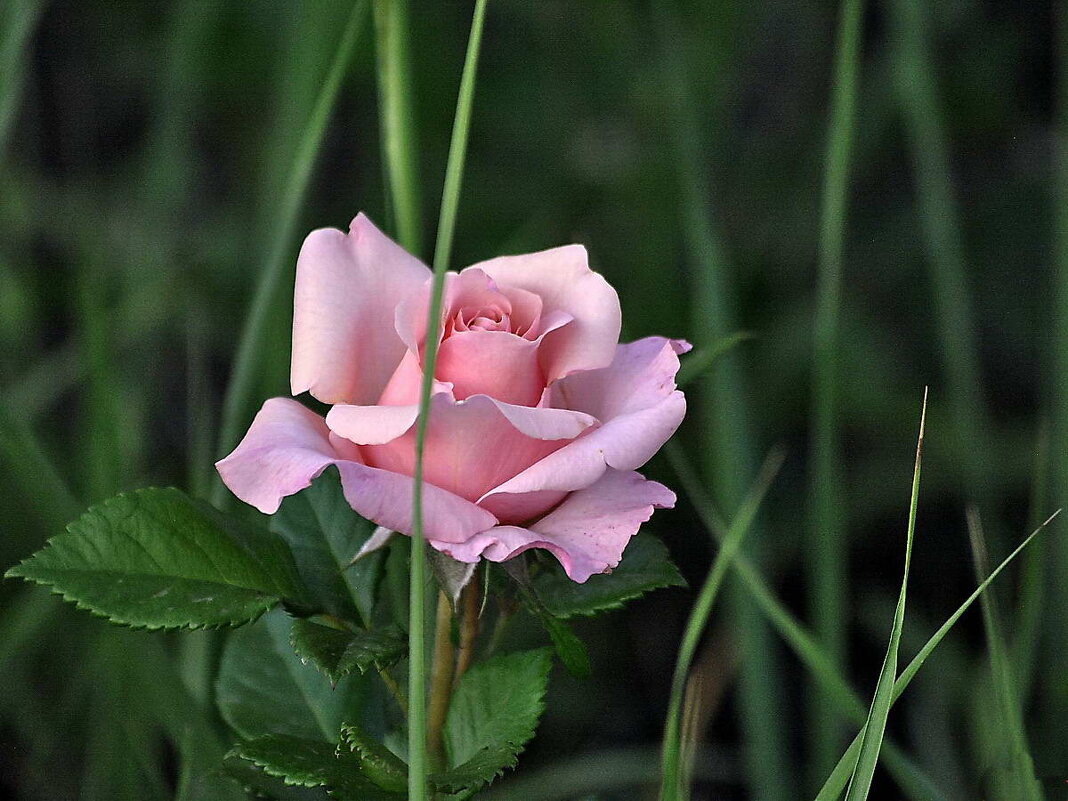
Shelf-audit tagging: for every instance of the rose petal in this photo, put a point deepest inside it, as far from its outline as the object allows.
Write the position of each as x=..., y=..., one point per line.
x=476, y=444
x=495, y=363
x=345, y=346
x=561, y=277
x=288, y=446
x=587, y=532
x=641, y=410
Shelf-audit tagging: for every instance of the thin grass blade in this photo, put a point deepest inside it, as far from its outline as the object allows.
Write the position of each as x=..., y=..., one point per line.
x=397, y=120
x=417, y=722
x=836, y=782
x=875, y=728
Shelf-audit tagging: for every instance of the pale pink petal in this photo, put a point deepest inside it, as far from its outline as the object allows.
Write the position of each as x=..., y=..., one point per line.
x=641, y=409
x=476, y=444
x=495, y=363
x=288, y=446
x=561, y=277
x=587, y=532
x=371, y=425
x=468, y=290
x=345, y=346
x=406, y=384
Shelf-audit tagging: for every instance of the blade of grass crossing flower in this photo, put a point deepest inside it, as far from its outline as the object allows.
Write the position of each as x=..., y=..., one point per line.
x=813, y=656
x=397, y=120
x=726, y=428
x=1017, y=770
x=417, y=722
x=875, y=728
x=836, y=782
x=673, y=783
x=254, y=332
x=827, y=589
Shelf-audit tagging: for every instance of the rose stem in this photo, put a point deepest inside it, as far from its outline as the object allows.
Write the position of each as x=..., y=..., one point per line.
x=469, y=627
x=441, y=674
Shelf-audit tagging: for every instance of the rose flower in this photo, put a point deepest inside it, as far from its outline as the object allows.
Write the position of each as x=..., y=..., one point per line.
x=538, y=419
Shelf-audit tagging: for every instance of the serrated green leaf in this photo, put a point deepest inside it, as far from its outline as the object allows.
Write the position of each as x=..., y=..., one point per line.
x=337, y=653
x=482, y=768
x=306, y=763
x=495, y=709
x=156, y=558
x=377, y=762
x=264, y=688
x=324, y=533
x=645, y=566
x=260, y=785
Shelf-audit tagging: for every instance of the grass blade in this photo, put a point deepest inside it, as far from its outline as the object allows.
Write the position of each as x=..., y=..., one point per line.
x=1018, y=776
x=836, y=782
x=397, y=120
x=417, y=723
x=875, y=728
x=705, y=358
x=18, y=19
x=673, y=784
x=827, y=579
x=254, y=334
x=910, y=777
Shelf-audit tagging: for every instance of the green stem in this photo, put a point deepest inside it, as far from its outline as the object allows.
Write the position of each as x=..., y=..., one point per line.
x=827, y=579
x=396, y=120
x=417, y=724
x=442, y=670
x=254, y=334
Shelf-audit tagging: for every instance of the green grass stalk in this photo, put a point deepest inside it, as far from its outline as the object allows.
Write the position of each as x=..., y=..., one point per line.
x=254, y=334
x=417, y=710
x=875, y=728
x=808, y=650
x=18, y=19
x=397, y=120
x=836, y=782
x=827, y=566
x=674, y=785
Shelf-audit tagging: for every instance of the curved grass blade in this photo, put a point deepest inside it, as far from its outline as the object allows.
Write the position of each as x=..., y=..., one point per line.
x=704, y=358
x=254, y=334
x=673, y=781
x=417, y=722
x=841, y=773
x=910, y=777
x=875, y=728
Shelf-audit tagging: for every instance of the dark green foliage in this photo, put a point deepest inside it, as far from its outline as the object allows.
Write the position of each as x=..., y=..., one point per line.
x=337, y=652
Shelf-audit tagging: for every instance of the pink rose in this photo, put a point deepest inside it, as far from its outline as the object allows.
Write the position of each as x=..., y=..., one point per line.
x=538, y=420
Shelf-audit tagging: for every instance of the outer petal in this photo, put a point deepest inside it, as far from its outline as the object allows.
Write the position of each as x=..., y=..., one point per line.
x=564, y=281
x=288, y=445
x=348, y=286
x=475, y=444
x=587, y=532
x=639, y=408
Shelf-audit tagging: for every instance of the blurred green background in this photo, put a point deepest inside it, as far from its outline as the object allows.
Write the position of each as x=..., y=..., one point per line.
x=146, y=158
